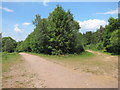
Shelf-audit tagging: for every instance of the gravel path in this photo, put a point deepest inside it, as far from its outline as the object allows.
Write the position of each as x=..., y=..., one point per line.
x=56, y=76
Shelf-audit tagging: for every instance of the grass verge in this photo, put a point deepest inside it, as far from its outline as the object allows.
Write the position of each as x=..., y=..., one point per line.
x=66, y=57
x=9, y=59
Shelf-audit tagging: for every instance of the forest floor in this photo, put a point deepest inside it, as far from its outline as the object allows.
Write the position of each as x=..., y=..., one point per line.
x=38, y=72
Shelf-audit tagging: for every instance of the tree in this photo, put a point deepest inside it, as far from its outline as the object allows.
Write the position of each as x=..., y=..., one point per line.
x=89, y=37
x=37, y=19
x=57, y=34
x=19, y=47
x=63, y=30
x=105, y=38
x=99, y=35
x=41, y=37
x=110, y=36
x=114, y=46
x=8, y=44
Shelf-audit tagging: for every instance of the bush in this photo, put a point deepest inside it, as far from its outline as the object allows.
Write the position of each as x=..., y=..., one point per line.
x=91, y=46
x=100, y=46
x=114, y=46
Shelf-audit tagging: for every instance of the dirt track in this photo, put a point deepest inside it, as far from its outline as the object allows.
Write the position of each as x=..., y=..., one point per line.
x=37, y=72
x=57, y=76
x=103, y=55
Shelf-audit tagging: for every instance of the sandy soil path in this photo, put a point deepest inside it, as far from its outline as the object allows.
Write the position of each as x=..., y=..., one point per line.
x=103, y=55
x=57, y=76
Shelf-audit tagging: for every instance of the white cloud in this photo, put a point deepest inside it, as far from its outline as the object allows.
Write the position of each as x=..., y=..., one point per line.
x=45, y=2
x=17, y=29
x=110, y=12
x=26, y=24
x=91, y=25
x=6, y=9
x=119, y=10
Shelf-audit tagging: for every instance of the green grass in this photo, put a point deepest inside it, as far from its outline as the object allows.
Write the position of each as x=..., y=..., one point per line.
x=9, y=59
x=67, y=57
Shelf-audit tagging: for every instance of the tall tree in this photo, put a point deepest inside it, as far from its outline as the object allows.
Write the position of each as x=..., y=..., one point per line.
x=56, y=34
x=37, y=19
x=63, y=30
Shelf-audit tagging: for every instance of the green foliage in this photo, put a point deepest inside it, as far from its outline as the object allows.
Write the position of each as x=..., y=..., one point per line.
x=91, y=46
x=63, y=32
x=99, y=46
x=111, y=36
x=89, y=37
x=105, y=38
x=114, y=46
x=8, y=44
x=37, y=19
x=19, y=46
x=57, y=34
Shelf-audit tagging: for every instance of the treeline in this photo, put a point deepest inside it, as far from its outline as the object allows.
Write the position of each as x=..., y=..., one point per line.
x=59, y=34
x=8, y=44
x=105, y=38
